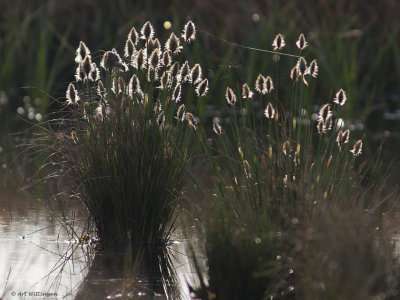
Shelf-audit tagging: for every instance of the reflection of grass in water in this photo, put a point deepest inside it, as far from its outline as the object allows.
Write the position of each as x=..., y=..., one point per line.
x=145, y=271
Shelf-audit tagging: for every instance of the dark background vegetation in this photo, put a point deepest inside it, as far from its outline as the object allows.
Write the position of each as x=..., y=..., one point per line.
x=355, y=42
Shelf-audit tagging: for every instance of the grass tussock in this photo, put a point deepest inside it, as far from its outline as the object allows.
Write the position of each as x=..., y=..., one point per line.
x=295, y=210
x=283, y=188
x=126, y=137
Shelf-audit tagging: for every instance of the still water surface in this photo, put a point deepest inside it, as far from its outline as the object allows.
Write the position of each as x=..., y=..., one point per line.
x=38, y=260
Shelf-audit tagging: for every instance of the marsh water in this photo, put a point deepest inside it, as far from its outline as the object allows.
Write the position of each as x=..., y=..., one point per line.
x=39, y=260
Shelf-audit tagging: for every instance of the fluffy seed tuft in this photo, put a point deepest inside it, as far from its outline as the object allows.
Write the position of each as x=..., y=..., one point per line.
x=189, y=32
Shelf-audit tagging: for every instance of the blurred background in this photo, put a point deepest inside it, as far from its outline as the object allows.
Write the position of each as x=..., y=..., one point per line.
x=356, y=43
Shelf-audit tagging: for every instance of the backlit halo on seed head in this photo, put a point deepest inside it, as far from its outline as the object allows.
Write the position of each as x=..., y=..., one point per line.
x=325, y=112
x=202, y=88
x=196, y=74
x=72, y=95
x=129, y=49
x=81, y=52
x=192, y=120
x=147, y=31
x=230, y=97
x=133, y=36
x=301, y=66
x=340, y=97
x=181, y=113
x=278, y=42
x=260, y=84
x=166, y=58
x=94, y=73
x=184, y=73
x=269, y=111
x=176, y=94
x=342, y=137
x=246, y=92
x=112, y=61
x=134, y=86
x=269, y=85
x=216, y=126
x=301, y=42
x=357, y=148
x=189, y=32
x=139, y=60
x=173, y=44
x=313, y=68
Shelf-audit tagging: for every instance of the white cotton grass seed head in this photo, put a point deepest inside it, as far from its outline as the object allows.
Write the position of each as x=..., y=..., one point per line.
x=357, y=148
x=260, y=84
x=269, y=111
x=134, y=86
x=181, y=113
x=140, y=60
x=184, y=73
x=342, y=137
x=147, y=31
x=230, y=97
x=176, y=94
x=216, y=126
x=83, y=69
x=81, y=52
x=112, y=61
x=196, y=74
x=154, y=60
x=94, y=74
x=301, y=42
x=189, y=32
x=129, y=49
x=340, y=97
x=278, y=42
x=339, y=123
x=192, y=120
x=133, y=36
x=166, y=58
x=173, y=44
x=153, y=44
x=301, y=67
x=202, y=88
x=72, y=95
x=325, y=112
x=269, y=85
x=174, y=70
x=246, y=92
x=313, y=68
x=102, y=111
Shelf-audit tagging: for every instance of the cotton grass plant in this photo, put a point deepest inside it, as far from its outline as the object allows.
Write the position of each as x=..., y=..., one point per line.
x=277, y=172
x=126, y=136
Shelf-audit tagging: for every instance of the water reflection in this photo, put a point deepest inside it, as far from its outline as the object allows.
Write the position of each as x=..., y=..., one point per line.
x=37, y=256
